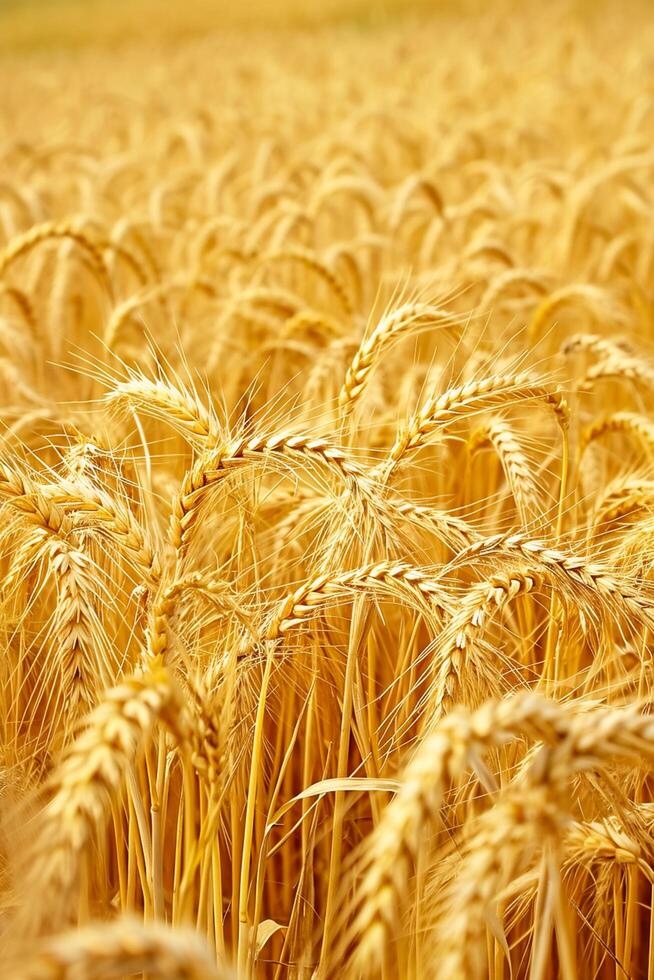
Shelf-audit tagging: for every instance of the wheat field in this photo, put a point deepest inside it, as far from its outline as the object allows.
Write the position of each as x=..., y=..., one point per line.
x=327, y=491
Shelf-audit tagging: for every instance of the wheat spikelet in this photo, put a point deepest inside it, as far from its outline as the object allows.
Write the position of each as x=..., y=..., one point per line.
x=581, y=742
x=164, y=606
x=410, y=187
x=59, y=507
x=363, y=189
x=129, y=258
x=206, y=729
x=91, y=460
x=494, y=249
x=312, y=322
x=125, y=311
x=92, y=507
x=282, y=303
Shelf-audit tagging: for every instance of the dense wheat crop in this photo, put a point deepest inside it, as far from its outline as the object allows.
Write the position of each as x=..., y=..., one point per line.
x=327, y=499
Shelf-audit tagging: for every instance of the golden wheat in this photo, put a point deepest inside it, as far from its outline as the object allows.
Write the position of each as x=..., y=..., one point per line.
x=326, y=492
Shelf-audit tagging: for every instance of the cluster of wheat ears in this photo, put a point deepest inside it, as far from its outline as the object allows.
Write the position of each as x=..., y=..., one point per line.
x=327, y=503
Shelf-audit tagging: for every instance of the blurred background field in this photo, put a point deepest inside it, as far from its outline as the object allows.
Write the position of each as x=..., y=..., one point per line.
x=29, y=24
x=36, y=23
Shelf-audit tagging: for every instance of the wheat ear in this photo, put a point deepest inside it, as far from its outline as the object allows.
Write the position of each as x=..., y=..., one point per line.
x=390, y=328
x=603, y=840
x=623, y=497
x=283, y=446
x=516, y=826
x=31, y=501
x=589, y=576
x=453, y=530
x=580, y=741
x=621, y=367
x=592, y=343
x=59, y=507
x=77, y=640
x=516, y=466
x=303, y=603
x=454, y=650
x=636, y=425
x=23, y=304
x=85, y=786
x=173, y=404
x=441, y=759
x=586, y=741
x=111, y=950
x=441, y=411
x=88, y=505
x=24, y=243
x=311, y=261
